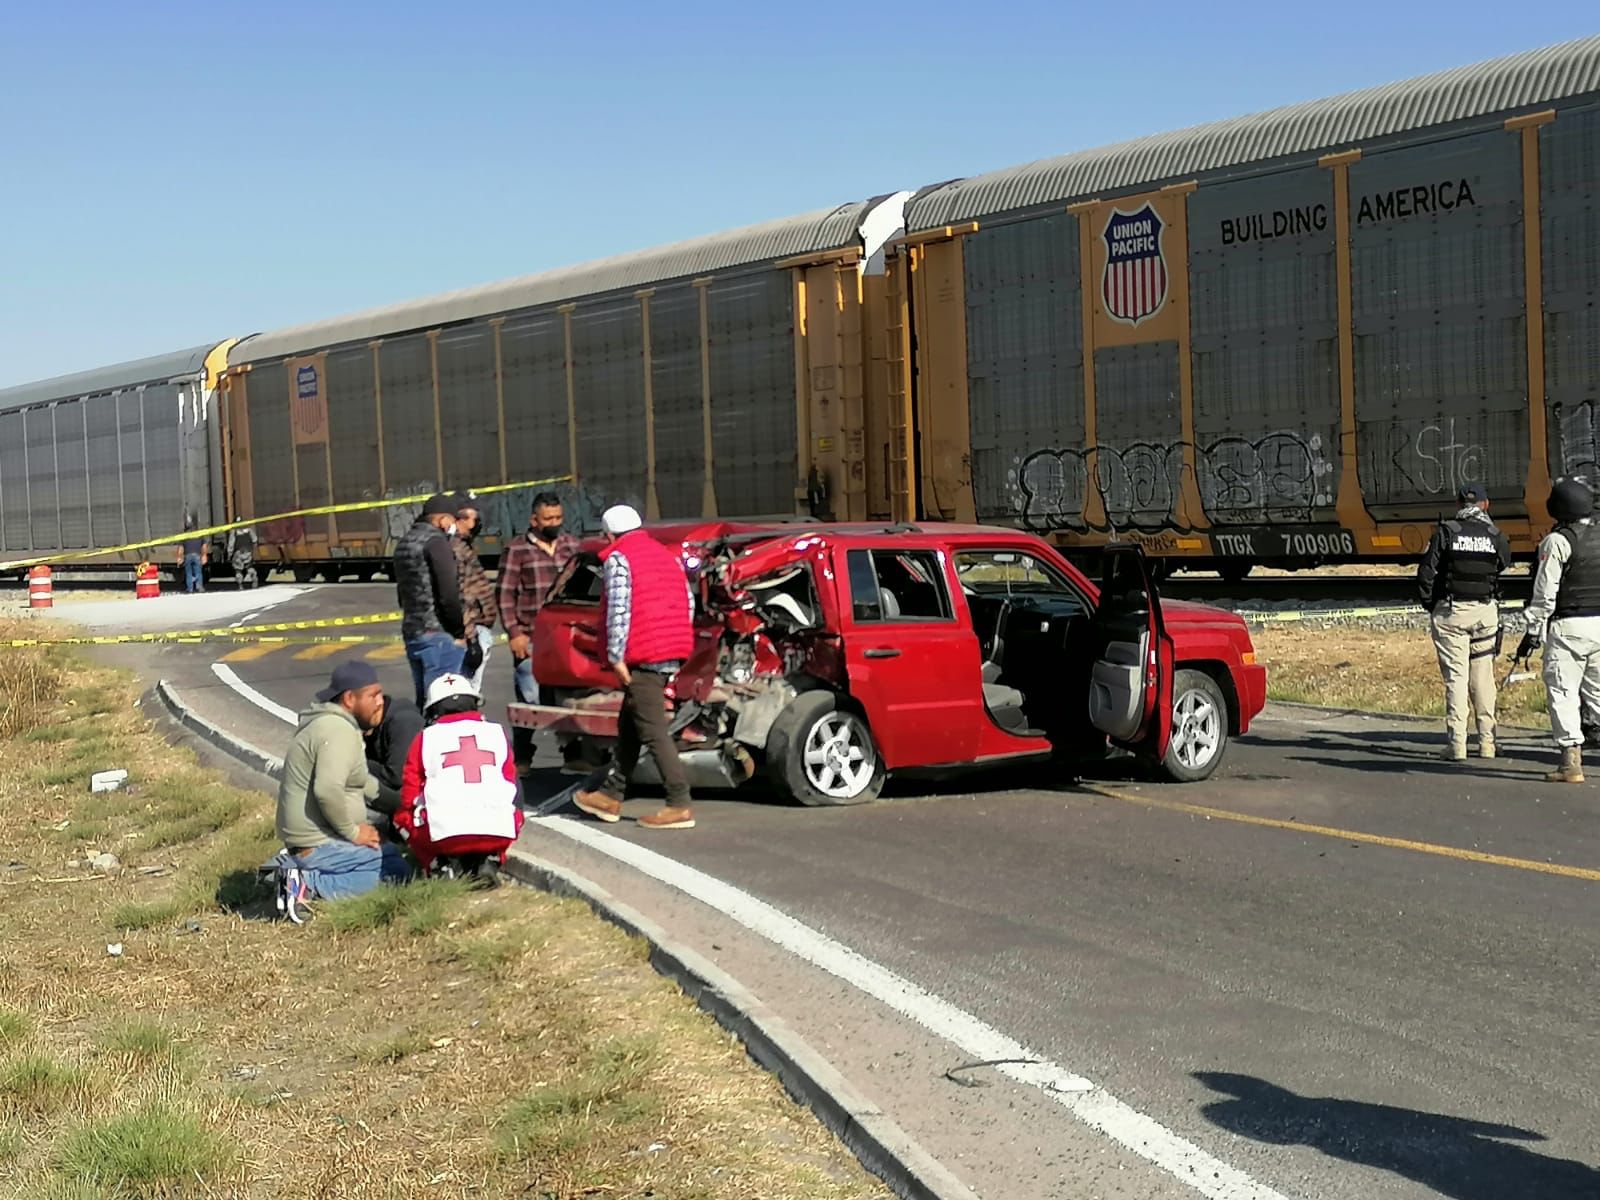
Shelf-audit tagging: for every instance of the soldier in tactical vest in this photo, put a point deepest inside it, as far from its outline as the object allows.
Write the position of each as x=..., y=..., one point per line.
x=1459, y=581
x=1564, y=616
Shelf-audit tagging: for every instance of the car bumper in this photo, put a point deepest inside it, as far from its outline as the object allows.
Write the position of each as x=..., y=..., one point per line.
x=591, y=720
x=1251, y=682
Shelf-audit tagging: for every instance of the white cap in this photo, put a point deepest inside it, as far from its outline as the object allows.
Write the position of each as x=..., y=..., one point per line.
x=449, y=685
x=620, y=519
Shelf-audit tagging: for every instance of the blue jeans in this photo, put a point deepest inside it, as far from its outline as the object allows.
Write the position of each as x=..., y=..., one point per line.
x=193, y=576
x=432, y=655
x=527, y=686
x=528, y=693
x=485, y=644
x=337, y=870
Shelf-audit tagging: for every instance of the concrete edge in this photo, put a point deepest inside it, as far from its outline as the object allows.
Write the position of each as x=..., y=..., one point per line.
x=878, y=1141
x=250, y=755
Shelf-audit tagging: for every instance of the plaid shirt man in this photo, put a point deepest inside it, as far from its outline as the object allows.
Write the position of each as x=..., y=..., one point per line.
x=477, y=593
x=527, y=573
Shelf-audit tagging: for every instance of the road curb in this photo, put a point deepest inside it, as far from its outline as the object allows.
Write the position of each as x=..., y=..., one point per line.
x=879, y=1142
x=252, y=756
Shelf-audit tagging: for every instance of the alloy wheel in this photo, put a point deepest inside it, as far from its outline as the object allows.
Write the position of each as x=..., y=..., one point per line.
x=839, y=756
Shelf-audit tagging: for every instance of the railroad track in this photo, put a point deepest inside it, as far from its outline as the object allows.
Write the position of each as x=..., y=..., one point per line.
x=1314, y=591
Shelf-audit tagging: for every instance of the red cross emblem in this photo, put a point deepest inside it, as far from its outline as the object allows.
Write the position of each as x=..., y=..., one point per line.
x=469, y=758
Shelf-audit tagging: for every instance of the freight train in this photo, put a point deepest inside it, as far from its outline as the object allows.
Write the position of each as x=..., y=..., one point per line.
x=1286, y=338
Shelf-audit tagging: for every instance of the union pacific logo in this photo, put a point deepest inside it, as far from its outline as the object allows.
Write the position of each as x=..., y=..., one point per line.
x=1134, y=286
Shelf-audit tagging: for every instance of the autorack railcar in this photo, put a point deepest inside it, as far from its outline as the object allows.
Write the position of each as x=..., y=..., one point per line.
x=725, y=375
x=1285, y=338
x=104, y=458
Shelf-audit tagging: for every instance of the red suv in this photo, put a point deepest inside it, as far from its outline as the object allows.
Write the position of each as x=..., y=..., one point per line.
x=830, y=655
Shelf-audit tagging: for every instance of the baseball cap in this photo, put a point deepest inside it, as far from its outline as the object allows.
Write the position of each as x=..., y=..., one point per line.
x=350, y=676
x=1472, y=493
x=620, y=519
x=443, y=504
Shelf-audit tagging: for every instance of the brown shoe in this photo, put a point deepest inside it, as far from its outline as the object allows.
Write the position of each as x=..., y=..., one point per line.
x=1571, y=768
x=599, y=805
x=669, y=818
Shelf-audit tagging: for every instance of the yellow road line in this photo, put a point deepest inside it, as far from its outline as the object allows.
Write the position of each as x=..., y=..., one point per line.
x=1351, y=835
x=323, y=650
x=246, y=653
x=389, y=653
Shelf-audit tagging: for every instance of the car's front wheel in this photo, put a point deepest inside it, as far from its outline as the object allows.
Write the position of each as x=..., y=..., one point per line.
x=820, y=753
x=1199, y=727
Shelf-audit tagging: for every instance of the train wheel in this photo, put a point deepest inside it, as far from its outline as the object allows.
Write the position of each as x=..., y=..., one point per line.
x=1233, y=571
x=304, y=574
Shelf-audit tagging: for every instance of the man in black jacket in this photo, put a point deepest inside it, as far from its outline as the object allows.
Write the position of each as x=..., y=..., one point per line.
x=1459, y=583
x=388, y=743
x=428, y=583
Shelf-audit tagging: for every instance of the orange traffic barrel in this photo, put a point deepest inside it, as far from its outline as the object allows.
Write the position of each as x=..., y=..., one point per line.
x=146, y=581
x=40, y=590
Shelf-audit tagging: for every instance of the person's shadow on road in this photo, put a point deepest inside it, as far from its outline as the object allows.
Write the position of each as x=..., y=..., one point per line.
x=1455, y=1156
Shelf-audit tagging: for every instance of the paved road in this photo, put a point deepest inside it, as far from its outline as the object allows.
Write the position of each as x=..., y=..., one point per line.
x=1340, y=966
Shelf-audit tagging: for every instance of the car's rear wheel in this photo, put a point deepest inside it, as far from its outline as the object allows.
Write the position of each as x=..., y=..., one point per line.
x=1199, y=727
x=820, y=753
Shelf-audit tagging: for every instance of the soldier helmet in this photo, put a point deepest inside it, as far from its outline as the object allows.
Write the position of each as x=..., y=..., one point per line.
x=1570, y=500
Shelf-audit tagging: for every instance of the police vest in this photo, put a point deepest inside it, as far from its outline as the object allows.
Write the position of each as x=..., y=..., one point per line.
x=1579, y=594
x=1471, y=560
x=466, y=792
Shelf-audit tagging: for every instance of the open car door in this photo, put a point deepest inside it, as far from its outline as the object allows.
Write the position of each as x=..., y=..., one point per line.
x=569, y=632
x=1130, y=683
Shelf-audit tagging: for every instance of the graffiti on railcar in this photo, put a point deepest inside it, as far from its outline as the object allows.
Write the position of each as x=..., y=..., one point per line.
x=1284, y=475
x=1578, y=441
x=1428, y=458
x=1138, y=485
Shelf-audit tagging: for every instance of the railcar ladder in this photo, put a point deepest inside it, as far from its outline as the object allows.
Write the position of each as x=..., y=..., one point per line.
x=900, y=464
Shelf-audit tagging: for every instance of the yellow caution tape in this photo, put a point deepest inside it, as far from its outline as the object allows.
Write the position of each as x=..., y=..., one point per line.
x=235, y=633
x=1323, y=614
x=325, y=510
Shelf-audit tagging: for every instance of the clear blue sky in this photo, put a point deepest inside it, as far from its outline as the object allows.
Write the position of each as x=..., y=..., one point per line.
x=181, y=172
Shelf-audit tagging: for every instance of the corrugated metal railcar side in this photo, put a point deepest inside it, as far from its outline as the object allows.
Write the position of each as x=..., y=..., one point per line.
x=1290, y=336
x=108, y=457
x=681, y=380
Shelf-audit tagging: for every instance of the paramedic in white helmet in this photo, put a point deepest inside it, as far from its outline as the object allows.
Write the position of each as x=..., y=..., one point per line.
x=1564, y=616
x=459, y=796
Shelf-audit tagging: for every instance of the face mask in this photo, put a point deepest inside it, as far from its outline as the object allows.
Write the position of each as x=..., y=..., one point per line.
x=548, y=533
x=450, y=529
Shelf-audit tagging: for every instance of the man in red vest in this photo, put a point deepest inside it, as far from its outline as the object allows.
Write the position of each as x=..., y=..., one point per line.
x=649, y=634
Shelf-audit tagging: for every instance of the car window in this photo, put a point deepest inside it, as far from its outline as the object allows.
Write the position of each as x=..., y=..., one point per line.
x=580, y=582
x=864, y=600
x=898, y=585
x=1018, y=576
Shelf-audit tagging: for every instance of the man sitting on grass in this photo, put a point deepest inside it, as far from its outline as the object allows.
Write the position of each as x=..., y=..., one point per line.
x=332, y=851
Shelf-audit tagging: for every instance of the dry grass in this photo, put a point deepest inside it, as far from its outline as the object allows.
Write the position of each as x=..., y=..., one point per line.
x=1383, y=670
x=432, y=1041
x=29, y=684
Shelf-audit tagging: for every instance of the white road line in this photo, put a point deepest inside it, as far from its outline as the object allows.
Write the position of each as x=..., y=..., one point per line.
x=225, y=673
x=1084, y=1099
x=246, y=619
